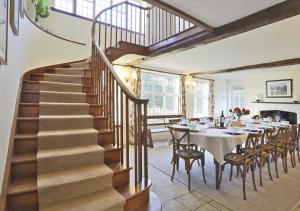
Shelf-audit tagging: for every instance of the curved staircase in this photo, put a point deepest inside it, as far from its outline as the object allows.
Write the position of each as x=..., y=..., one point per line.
x=64, y=157
x=75, y=123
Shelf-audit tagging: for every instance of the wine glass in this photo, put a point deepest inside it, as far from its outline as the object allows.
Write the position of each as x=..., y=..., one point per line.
x=277, y=118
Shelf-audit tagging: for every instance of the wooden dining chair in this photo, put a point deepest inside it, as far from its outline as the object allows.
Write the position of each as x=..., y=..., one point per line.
x=277, y=148
x=186, y=152
x=246, y=160
x=291, y=145
x=263, y=152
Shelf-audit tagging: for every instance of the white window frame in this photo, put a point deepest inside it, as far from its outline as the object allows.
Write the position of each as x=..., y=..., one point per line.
x=241, y=100
x=204, y=95
x=175, y=95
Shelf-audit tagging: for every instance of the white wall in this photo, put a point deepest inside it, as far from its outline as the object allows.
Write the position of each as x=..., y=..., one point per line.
x=254, y=82
x=32, y=48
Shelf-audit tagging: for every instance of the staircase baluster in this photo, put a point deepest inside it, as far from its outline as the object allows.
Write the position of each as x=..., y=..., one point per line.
x=135, y=138
x=117, y=27
x=117, y=123
x=121, y=127
x=111, y=23
x=121, y=38
x=112, y=124
x=105, y=36
x=127, y=132
x=140, y=28
x=144, y=37
x=139, y=142
x=159, y=23
x=145, y=143
x=126, y=23
x=131, y=20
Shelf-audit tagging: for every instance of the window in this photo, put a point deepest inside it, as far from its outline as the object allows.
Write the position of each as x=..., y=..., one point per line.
x=237, y=97
x=201, y=91
x=163, y=92
x=90, y=8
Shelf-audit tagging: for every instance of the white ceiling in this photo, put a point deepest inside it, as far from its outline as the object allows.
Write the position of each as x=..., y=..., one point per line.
x=277, y=41
x=220, y=12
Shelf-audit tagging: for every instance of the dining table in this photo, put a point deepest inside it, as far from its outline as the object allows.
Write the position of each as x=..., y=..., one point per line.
x=219, y=141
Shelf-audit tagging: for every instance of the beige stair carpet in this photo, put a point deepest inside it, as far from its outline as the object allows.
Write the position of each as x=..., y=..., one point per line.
x=70, y=164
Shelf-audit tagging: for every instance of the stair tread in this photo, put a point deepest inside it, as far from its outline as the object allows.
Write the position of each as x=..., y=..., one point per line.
x=37, y=104
x=52, y=82
x=23, y=158
x=21, y=186
x=66, y=93
x=37, y=92
x=50, y=153
x=110, y=147
x=72, y=175
x=65, y=116
x=65, y=75
x=108, y=199
x=117, y=166
x=67, y=132
x=131, y=189
x=60, y=83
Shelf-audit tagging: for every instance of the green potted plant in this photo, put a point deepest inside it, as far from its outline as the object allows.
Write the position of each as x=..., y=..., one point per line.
x=41, y=9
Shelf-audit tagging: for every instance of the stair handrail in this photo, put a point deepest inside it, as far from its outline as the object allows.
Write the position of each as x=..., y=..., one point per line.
x=107, y=62
x=116, y=100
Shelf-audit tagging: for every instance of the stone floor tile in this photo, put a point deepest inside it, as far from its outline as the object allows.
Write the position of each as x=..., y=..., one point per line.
x=174, y=205
x=207, y=207
x=191, y=200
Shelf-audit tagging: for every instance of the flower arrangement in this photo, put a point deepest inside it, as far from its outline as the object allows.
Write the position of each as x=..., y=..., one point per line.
x=239, y=112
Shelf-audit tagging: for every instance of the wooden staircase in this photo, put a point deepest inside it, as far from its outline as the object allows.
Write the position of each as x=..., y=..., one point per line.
x=22, y=190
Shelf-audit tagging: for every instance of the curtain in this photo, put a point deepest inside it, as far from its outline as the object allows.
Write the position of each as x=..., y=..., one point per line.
x=211, y=99
x=183, y=95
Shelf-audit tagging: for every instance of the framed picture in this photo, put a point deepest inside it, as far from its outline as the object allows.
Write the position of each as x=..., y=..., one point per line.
x=14, y=16
x=279, y=88
x=3, y=30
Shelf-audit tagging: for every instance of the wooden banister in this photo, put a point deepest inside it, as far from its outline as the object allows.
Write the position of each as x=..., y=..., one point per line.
x=126, y=113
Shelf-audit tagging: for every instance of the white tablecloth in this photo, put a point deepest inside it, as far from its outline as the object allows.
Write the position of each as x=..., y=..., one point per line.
x=217, y=142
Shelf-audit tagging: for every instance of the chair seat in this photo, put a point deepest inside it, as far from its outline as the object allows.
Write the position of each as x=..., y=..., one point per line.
x=183, y=153
x=235, y=158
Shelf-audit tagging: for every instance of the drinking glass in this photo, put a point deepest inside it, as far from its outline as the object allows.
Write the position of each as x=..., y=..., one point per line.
x=277, y=118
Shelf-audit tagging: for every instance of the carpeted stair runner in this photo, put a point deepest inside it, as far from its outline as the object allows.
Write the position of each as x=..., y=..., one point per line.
x=70, y=164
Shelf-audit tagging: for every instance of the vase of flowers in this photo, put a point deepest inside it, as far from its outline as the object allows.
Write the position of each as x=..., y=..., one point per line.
x=239, y=112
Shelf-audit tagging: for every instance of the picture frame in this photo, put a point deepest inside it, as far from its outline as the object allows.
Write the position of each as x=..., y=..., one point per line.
x=3, y=31
x=14, y=16
x=282, y=88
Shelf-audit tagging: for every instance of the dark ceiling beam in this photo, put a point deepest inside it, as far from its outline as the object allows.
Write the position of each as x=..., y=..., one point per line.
x=179, y=13
x=264, y=17
x=280, y=63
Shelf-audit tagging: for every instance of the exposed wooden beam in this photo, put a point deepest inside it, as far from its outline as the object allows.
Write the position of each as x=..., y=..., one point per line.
x=264, y=17
x=181, y=14
x=281, y=63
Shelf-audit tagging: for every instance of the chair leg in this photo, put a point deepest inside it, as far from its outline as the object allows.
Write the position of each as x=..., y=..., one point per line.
x=260, y=172
x=177, y=163
x=276, y=166
x=297, y=148
x=269, y=168
x=231, y=168
x=174, y=164
x=189, y=174
x=253, y=176
x=285, y=162
x=244, y=182
x=292, y=159
x=203, y=172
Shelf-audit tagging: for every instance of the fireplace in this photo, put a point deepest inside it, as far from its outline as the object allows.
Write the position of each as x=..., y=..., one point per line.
x=284, y=115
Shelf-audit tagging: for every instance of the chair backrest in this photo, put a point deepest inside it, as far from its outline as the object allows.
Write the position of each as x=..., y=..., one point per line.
x=268, y=136
x=174, y=121
x=283, y=134
x=298, y=131
x=293, y=133
x=252, y=141
x=179, y=135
